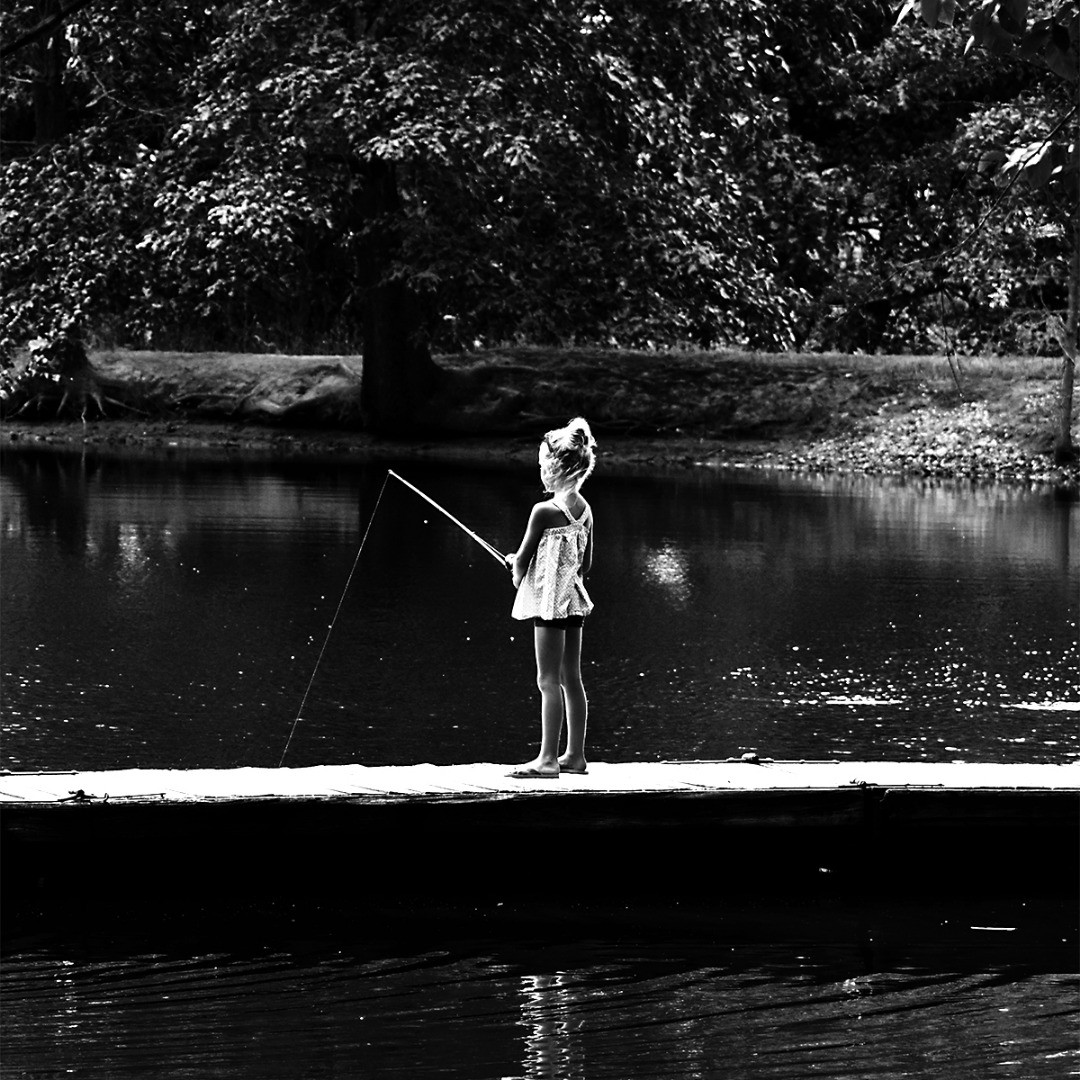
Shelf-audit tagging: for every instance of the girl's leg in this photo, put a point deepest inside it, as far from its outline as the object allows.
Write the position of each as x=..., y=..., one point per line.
x=550, y=644
x=577, y=704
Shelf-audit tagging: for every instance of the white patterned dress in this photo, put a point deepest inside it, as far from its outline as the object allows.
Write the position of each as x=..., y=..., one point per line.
x=552, y=587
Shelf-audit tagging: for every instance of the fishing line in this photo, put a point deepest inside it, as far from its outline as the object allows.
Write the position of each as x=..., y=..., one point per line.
x=489, y=548
x=329, y=631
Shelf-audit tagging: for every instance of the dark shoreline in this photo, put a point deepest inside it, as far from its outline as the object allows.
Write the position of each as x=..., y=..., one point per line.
x=850, y=456
x=653, y=413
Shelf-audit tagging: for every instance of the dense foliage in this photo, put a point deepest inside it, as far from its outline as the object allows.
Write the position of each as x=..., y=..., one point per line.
x=316, y=175
x=553, y=174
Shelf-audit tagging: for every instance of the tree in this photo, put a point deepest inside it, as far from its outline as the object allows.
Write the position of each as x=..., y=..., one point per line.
x=1047, y=160
x=871, y=185
x=72, y=206
x=413, y=175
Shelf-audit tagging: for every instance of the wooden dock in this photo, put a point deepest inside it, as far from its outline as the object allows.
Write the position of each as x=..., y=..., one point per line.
x=659, y=828
x=485, y=780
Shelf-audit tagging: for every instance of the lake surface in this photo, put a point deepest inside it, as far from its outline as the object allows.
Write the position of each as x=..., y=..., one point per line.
x=776, y=992
x=172, y=613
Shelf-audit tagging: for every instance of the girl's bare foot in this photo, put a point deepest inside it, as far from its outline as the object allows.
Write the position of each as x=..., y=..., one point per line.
x=536, y=770
x=569, y=764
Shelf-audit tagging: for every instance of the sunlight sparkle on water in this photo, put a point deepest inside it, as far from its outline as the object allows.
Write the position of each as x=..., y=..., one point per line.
x=1046, y=706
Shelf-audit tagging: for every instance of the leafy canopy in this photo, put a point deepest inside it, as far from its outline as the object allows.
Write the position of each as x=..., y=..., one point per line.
x=562, y=172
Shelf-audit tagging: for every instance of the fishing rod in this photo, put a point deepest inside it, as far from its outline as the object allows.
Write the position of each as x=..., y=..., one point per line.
x=490, y=549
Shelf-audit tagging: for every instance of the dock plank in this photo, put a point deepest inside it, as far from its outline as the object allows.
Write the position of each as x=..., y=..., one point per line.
x=489, y=779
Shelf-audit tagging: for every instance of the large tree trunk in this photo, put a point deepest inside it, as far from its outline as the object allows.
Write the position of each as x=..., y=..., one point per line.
x=60, y=381
x=1064, y=449
x=399, y=376
x=50, y=98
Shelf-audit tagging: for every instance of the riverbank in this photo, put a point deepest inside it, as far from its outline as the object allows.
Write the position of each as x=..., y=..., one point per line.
x=983, y=419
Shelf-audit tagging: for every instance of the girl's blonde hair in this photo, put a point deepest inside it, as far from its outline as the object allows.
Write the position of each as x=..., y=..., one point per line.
x=571, y=452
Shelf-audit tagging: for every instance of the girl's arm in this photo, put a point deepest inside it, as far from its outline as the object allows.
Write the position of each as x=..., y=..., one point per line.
x=543, y=516
x=586, y=560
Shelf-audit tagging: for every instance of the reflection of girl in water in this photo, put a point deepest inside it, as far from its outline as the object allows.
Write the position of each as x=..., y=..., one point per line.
x=549, y=570
x=545, y=1014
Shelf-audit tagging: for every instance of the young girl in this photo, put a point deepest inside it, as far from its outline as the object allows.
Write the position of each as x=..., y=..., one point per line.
x=549, y=568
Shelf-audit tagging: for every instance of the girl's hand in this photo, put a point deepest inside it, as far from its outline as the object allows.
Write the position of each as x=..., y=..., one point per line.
x=512, y=566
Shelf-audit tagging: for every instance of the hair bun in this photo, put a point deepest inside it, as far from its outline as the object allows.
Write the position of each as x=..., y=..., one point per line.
x=573, y=452
x=580, y=432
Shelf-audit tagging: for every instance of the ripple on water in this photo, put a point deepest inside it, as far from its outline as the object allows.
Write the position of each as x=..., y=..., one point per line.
x=774, y=991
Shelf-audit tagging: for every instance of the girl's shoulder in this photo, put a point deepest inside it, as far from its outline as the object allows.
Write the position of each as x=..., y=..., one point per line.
x=547, y=514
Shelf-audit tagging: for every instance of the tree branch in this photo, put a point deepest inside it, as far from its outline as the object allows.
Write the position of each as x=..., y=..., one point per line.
x=43, y=28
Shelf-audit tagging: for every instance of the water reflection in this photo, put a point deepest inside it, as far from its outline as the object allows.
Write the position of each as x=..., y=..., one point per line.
x=667, y=567
x=546, y=1017
x=777, y=991
x=172, y=612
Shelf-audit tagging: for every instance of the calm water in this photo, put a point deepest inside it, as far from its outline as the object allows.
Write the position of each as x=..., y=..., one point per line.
x=776, y=993
x=172, y=613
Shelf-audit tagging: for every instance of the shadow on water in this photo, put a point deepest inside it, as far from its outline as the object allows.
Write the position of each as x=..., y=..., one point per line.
x=1037, y=932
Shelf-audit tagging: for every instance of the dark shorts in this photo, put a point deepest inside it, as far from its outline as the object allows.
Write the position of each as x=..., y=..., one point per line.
x=570, y=622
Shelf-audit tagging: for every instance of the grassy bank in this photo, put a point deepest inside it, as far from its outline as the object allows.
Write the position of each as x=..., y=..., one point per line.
x=982, y=418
